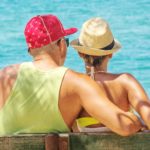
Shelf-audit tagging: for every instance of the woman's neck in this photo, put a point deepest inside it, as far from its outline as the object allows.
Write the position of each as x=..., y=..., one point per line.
x=96, y=69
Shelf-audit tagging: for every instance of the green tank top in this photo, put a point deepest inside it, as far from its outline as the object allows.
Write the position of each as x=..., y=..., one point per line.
x=32, y=106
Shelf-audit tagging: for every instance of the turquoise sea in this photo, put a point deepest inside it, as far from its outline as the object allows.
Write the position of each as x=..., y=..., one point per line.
x=128, y=19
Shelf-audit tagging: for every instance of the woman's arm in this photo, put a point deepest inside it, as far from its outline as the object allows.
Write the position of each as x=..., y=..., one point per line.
x=137, y=97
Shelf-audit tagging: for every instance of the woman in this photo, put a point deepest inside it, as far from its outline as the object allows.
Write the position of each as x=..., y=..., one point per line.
x=96, y=46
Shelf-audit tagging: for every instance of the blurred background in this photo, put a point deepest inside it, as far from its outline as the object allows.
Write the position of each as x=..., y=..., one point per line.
x=128, y=19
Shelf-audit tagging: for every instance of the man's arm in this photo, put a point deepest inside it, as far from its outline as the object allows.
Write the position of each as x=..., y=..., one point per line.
x=137, y=97
x=100, y=107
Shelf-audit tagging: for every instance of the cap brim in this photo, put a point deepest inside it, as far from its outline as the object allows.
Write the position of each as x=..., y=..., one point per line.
x=94, y=51
x=70, y=31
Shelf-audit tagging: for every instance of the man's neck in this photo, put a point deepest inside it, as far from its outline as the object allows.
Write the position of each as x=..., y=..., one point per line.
x=45, y=62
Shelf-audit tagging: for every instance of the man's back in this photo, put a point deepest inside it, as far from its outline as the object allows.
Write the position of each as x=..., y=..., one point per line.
x=33, y=101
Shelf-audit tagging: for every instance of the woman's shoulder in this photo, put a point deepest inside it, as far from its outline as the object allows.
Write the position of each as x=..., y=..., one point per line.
x=116, y=76
x=126, y=77
x=120, y=78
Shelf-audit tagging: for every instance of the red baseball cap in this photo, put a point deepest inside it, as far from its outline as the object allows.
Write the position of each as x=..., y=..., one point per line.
x=44, y=29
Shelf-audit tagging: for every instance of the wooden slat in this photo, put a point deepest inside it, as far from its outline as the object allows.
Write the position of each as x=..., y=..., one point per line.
x=22, y=142
x=76, y=141
x=35, y=142
x=109, y=141
x=63, y=141
x=52, y=142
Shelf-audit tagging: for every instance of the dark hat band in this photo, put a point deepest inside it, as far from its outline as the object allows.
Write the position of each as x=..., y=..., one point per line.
x=108, y=47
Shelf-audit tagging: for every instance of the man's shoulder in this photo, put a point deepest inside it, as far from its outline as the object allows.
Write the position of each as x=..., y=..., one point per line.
x=76, y=77
x=79, y=82
x=9, y=71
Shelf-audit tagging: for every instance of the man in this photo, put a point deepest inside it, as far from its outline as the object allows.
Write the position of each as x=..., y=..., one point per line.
x=43, y=96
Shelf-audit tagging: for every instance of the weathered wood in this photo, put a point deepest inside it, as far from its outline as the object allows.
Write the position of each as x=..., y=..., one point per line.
x=63, y=141
x=23, y=142
x=108, y=141
x=52, y=142
x=35, y=142
x=76, y=141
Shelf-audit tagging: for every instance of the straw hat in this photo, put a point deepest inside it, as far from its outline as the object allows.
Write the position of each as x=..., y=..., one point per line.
x=96, y=39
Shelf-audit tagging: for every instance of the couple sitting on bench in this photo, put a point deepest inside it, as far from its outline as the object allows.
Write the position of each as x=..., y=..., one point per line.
x=43, y=96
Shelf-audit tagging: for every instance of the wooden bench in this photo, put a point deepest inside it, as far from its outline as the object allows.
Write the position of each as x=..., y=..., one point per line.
x=76, y=141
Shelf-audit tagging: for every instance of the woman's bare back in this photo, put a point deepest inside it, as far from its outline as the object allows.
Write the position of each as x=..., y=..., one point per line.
x=119, y=89
x=114, y=88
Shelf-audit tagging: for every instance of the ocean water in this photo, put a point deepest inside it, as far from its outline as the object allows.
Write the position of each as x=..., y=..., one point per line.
x=128, y=19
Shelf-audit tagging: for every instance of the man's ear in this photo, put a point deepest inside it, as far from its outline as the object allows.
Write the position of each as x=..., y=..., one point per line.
x=62, y=47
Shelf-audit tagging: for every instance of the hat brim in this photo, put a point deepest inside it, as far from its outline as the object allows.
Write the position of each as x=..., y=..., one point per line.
x=94, y=51
x=70, y=31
